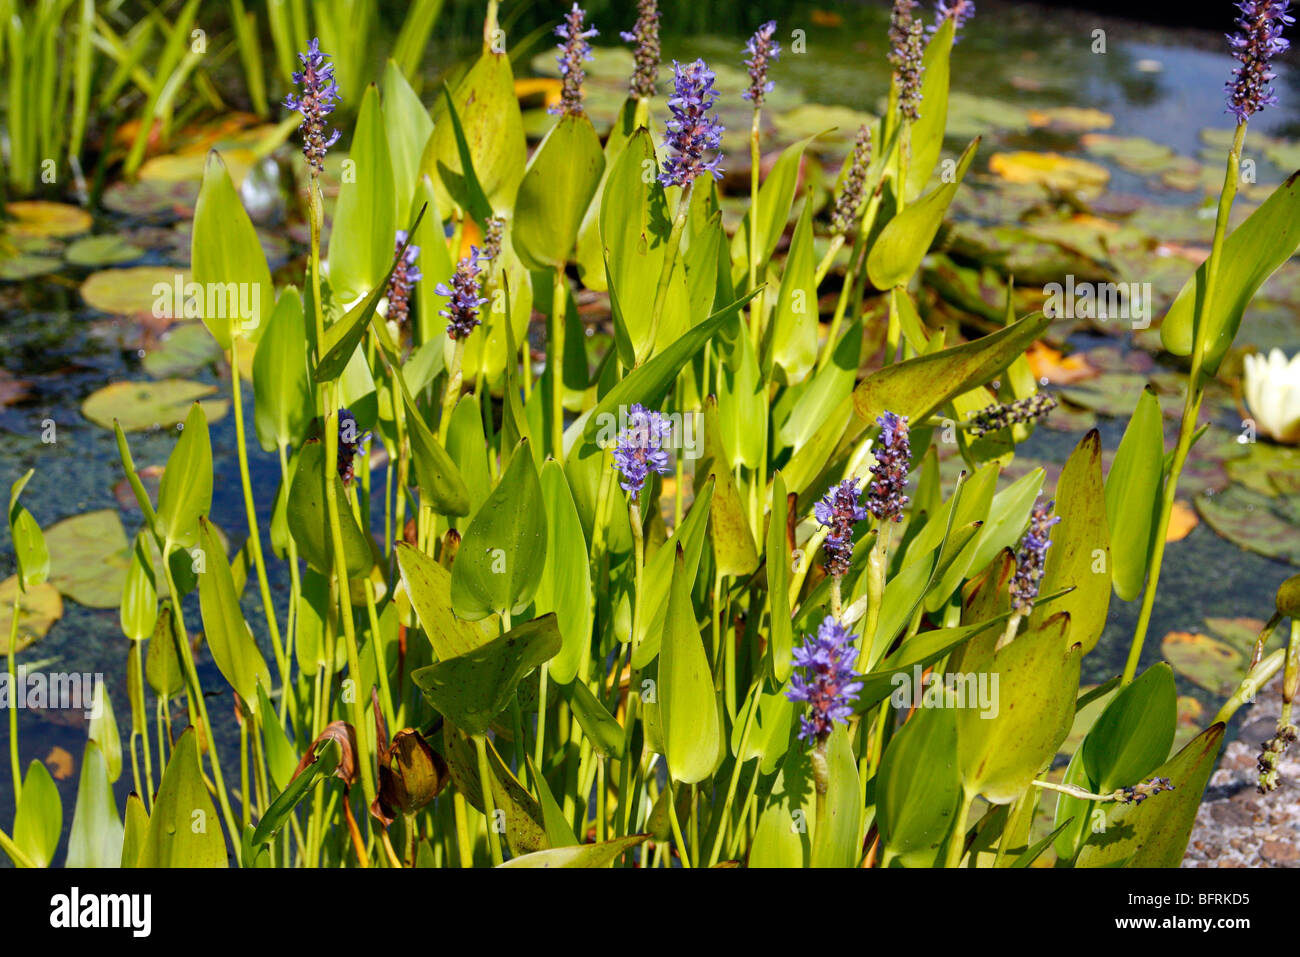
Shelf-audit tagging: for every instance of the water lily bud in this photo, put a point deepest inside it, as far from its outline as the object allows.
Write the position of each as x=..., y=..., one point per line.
x=1272, y=390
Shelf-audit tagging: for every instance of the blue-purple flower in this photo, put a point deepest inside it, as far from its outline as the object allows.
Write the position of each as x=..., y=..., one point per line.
x=829, y=684
x=691, y=131
x=462, y=309
x=352, y=442
x=574, y=51
x=640, y=449
x=1259, y=40
x=316, y=100
x=645, y=37
x=893, y=454
x=405, y=273
x=763, y=50
x=838, y=512
x=958, y=11
x=1033, y=553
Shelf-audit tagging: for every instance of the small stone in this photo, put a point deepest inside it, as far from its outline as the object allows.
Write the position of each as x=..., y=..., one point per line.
x=1279, y=852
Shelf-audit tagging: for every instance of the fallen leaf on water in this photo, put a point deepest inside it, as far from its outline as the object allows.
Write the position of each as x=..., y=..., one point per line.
x=60, y=763
x=1047, y=363
x=1181, y=522
x=12, y=390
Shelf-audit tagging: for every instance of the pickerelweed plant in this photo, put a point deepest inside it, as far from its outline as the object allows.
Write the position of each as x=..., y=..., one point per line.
x=702, y=597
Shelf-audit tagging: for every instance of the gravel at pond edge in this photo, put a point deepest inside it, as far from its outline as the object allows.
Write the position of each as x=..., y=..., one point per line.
x=1237, y=826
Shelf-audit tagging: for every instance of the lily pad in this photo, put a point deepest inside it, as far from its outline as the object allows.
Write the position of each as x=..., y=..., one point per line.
x=1114, y=393
x=184, y=350
x=26, y=266
x=1213, y=665
x=36, y=217
x=154, y=198
x=130, y=292
x=38, y=609
x=105, y=250
x=1267, y=468
x=1071, y=118
x=1254, y=521
x=89, y=556
x=1049, y=169
x=138, y=406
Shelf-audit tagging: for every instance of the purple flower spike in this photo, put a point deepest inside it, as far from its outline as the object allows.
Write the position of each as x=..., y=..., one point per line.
x=845, y=212
x=839, y=511
x=405, y=273
x=1259, y=40
x=462, y=311
x=763, y=50
x=640, y=449
x=893, y=452
x=829, y=684
x=352, y=442
x=315, y=102
x=958, y=11
x=645, y=35
x=574, y=51
x=1033, y=553
x=691, y=131
x=906, y=47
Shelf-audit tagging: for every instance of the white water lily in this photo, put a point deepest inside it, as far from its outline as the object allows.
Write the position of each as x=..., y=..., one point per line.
x=1273, y=395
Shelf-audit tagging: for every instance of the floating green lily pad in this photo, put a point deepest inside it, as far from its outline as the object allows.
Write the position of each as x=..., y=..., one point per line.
x=153, y=198
x=38, y=609
x=185, y=349
x=22, y=266
x=1266, y=468
x=89, y=556
x=138, y=406
x=1213, y=665
x=102, y=251
x=1256, y=522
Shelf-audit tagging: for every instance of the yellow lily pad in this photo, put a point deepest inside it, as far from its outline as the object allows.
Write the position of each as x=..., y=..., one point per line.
x=1049, y=169
x=131, y=291
x=1071, y=118
x=38, y=609
x=188, y=167
x=138, y=406
x=37, y=217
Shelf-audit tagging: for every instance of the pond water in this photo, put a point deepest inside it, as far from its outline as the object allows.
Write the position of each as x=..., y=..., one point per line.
x=1159, y=84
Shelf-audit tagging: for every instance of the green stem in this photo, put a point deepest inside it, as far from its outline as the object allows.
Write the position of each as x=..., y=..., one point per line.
x=195, y=693
x=957, y=841
x=489, y=807
x=1192, y=404
x=14, y=762
x=666, y=272
x=559, y=306
x=250, y=510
